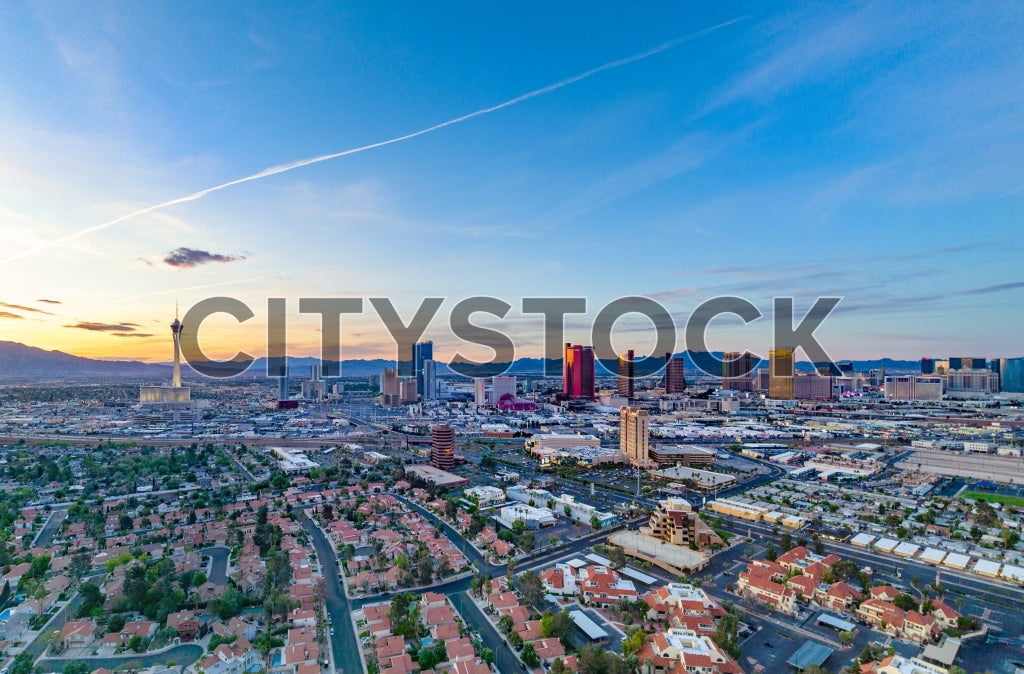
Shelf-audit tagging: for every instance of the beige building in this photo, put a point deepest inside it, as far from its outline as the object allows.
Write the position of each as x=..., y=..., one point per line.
x=635, y=435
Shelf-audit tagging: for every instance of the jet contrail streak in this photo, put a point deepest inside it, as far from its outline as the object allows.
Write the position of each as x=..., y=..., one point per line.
x=282, y=168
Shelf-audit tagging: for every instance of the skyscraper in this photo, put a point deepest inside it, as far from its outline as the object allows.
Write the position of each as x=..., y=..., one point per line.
x=736, y=371
x=578, y=371
x=502, y=385
x=675, y=374
x=429, y=374
x=480, y=391
x=625, y=387
x=442, y=450
x=927, y=366
x=421, y=352
x=634, y=435
x=1011, y=373
x=780, y=382
x=389, y=388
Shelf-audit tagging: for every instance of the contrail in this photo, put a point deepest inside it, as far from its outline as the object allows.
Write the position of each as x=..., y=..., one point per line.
x=282, y=168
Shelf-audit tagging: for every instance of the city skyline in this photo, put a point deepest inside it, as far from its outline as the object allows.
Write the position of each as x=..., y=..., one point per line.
x=866, y=152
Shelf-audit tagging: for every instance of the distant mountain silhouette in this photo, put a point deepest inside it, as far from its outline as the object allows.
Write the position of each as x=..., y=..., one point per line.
x=22, y=361
x=19, y=360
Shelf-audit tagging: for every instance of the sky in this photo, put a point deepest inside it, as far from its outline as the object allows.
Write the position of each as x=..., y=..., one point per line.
x=871, y=152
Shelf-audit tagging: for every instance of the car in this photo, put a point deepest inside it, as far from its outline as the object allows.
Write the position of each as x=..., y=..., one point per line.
x=768, y=644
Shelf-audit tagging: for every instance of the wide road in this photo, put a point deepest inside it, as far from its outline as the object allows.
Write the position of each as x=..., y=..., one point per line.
x=344, y=646
x=180, y=655
x=218, y=572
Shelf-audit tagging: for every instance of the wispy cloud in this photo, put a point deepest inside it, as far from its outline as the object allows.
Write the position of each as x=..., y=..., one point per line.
x=7, y=314
x=49, y=301
x=18, y=307
x=283, y=168
x=132, y=334
x=105, y=327
x=186, y=258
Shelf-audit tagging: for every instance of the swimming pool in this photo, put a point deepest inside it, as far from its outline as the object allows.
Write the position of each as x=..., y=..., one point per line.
x=6, y=614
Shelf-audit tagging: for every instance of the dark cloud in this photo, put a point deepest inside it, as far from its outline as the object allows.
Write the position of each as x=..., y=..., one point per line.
x=50, y=301
x=7, y=314
x=21, y=308
x=105, y=327
x=186, y=258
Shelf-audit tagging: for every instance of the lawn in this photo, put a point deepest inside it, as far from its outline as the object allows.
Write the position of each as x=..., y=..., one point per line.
x=1016, y=501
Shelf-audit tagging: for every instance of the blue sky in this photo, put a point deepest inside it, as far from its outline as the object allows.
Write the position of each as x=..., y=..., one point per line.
x=870, y=151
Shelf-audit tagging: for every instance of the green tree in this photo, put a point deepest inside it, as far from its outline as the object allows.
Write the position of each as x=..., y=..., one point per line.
x=529, y=656
x=531, y=588
x=75, y=667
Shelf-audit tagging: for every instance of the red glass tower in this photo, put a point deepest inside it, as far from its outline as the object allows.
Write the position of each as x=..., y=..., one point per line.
x=578, y=370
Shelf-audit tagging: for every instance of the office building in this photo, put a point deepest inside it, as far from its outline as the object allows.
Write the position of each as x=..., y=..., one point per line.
x=502, y=385
x=480, y=391
x=634, y=435
x=780, y=378
x=675, y=374
x=927, y=366
x=429, y=391
x=578, y=370
x=421, y=353
x=737, y=369
x=625, y=387
x=442, y=451
x=910, y=387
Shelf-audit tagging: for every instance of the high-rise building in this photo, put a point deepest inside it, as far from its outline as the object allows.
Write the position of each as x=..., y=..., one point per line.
x=845, y=367
x=282, y=384
x=675, y=374
x=634, y=435
x=480, y=391
x=389, y=388
x=910, y=387
x=974, y=380
x=1011, y=373
x=578, y=370
x=502, y=385
x=407, y=390
x=780, y=382
x=429, y=391
x=442, y=450
x=965, y=363
x=625, y=387
x=812, y=387
x=736, y=371
x=421, y=353
x=927, y=366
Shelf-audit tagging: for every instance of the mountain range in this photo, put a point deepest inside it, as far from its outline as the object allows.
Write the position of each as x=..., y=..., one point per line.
x=21, y=361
